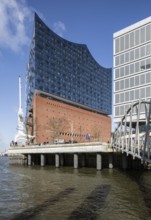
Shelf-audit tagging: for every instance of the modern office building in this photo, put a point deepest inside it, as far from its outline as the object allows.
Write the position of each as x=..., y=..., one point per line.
x=132, y=66
x=67, y=70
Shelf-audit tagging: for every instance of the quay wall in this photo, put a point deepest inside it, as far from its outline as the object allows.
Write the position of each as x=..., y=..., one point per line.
x=96, y=155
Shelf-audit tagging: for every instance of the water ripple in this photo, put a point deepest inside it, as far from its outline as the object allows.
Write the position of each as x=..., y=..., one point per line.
x=34, y=211
x=94, y=202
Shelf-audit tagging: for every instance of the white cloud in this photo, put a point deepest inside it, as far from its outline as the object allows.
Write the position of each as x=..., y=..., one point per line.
x=59, y=28
x=13, y=17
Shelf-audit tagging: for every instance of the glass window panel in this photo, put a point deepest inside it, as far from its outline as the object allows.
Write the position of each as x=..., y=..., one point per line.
x=148, y=77
x=121, y=84
x=148, y=63
x=117, y=87
x=126, y=96
x=137, y=67
x=132, y=68
x=122, y=110
x=126, y=41
x=132, y=55
x=131, y=81
x=117, y=74
x=132, y=39
x=117, y=111
x=126, y=70
x=122, y=59
x=137, y=53
x=117, y=45
x=148, y=32
x=142, y=34
x=126, y=57
x=142, y=51
x=137, y=37
x=148, y=91
x=142, y=79
x=142, y=67
x=122, y=43
x=126, y=83
x=137, y=94
x=142, y=93
x=148, y=49
x=117, y=61
x=121, y=97
x=136, y=80
x=132, y=95
x=116, y=98
x=122, y=72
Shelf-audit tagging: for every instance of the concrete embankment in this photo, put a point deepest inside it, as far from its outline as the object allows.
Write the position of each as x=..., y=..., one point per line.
x=98, y=155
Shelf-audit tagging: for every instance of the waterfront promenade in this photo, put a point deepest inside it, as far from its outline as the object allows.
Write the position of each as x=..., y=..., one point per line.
x=78, y=151
x=62, y=148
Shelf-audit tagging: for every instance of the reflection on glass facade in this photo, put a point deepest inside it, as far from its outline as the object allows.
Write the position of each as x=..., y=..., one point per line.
x=132, y=66
x=66, y=69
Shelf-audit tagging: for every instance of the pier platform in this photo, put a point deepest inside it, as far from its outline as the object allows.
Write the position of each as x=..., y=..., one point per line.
x=39, y=154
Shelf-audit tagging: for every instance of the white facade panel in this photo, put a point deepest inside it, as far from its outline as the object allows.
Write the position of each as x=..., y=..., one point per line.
x=132, y=66
x=132, y=27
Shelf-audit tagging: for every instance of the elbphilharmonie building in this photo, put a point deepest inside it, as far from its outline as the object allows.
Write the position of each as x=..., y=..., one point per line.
x=65, y=86
x=66, y=69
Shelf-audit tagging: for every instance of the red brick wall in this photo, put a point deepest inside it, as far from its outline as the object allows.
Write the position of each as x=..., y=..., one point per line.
x=76, y=120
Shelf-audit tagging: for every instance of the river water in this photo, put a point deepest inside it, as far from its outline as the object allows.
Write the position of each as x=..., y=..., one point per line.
x=65, y=193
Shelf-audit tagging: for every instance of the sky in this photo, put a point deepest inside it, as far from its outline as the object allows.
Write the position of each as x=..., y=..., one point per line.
x=90, y=22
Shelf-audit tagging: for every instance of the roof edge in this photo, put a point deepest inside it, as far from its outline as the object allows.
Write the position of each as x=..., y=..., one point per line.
x=133, y=26
x=39, y=92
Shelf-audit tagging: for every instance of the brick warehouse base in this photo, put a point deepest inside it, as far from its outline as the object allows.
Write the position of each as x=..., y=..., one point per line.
x=53, y=118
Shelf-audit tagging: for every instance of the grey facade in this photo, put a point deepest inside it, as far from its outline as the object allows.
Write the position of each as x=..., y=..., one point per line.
x=132, y=67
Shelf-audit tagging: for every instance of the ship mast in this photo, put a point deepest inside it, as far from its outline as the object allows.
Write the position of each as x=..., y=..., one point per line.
x=20, y=104
x=21, y=136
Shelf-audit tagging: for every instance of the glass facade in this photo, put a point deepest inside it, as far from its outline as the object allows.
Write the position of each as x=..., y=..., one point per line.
x=132, y=66
x=66, y=69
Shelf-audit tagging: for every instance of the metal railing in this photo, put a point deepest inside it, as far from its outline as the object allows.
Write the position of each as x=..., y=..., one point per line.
x=133, y=133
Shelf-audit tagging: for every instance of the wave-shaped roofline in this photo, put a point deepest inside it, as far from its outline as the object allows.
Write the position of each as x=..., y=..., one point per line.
x=77, y=44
